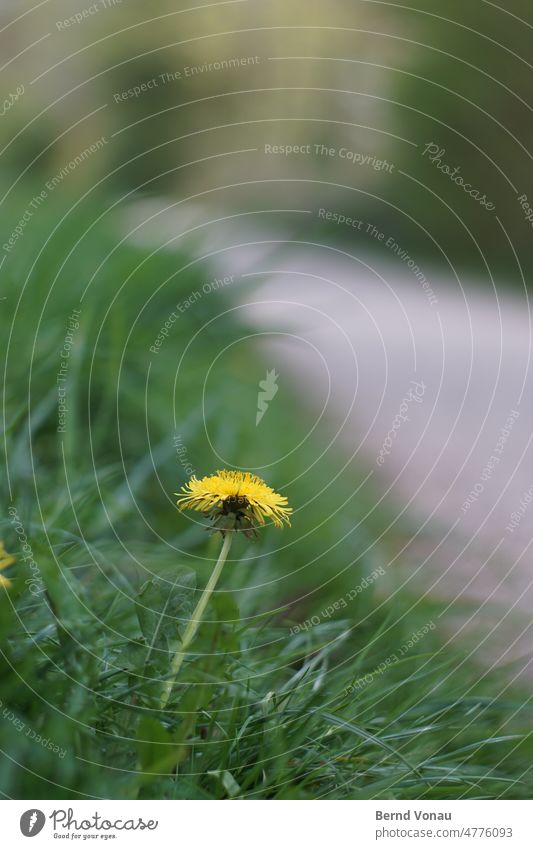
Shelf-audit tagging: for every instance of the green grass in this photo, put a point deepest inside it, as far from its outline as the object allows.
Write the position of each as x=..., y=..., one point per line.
x=263, y=708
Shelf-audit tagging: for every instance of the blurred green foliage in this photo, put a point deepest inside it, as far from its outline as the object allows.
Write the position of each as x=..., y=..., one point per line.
x=382, y=78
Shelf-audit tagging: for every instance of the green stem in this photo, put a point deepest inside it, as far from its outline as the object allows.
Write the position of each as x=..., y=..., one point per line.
x=196, y=618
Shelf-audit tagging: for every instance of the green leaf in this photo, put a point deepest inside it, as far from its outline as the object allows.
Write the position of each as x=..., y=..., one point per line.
x=227, y=616
x=156, y=750
x=163, y=608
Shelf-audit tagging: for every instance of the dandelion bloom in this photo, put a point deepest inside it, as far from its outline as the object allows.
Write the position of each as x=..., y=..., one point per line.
x=235, y=501
x=5, y=561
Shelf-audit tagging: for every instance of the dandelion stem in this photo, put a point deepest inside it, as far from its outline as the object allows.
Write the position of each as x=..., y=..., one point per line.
x=196, y=618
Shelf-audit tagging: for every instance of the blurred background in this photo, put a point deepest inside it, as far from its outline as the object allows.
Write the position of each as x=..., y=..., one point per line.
x=327, y=206
x=382, y=79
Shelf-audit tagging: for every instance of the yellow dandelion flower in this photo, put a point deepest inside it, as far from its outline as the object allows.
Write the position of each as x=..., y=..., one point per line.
x=235, y=500
x=5, y=561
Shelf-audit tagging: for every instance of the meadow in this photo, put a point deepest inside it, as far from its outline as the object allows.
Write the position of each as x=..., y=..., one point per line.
x=314, y=675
